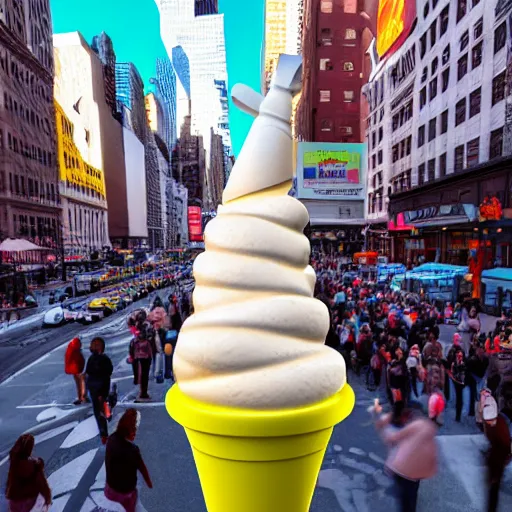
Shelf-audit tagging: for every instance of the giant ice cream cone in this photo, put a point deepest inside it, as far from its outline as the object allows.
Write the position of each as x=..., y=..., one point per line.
x=258, y=392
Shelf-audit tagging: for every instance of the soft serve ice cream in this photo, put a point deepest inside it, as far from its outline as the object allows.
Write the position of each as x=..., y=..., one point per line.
x=256, y=339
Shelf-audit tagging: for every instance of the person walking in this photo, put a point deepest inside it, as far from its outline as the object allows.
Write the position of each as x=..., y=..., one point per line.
x=27, y=488
x=458, y=375
x=74, y=364
x=497, y=432
x=413, y=451
x=143, y=350
x=122, y=462
x=99, y=371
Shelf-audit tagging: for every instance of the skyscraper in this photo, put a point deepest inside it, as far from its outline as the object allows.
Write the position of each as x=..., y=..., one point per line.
x=202, y=7
x=165, y=91
x=102, y=45
x=275, y=35
x=29, y=196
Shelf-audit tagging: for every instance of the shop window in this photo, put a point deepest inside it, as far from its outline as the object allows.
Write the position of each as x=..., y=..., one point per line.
x=348, y=66
x=459, y=158
x=498, y=88
x=348, y=96
x=326, y=65
x=423, y=45
x=325, y=96
x=432, y=169
x=446, y=55
x=326, y=6
x=326, y=125
x=475, y=99
x=496, y=143
x=460, y=112
x=432, y=89
x=462, y=67
x=472, y=152
x=478, y=28
x=500, y=37
x=421, y=174
x=423, y=97
x=432, y=129
x=445, y=79
x=434, y=66
x=424, y=75
x=462, y=6
x=445, y=18
x=476, y=55
x=379, y=157
x=421, y=136
x=326, y=36
x=464, y=41
x=433, y=33
x=442, y=165
x=444, y=121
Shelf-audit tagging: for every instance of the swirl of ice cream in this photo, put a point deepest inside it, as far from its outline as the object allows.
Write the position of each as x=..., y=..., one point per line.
x=256, y=339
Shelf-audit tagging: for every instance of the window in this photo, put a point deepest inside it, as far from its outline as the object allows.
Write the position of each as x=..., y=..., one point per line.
x=326, y=35
x=348, y=96
x=421, y=174
x=464, y=41
x=379, y=157
x=424, y=75
x=395, y=154
x=462, y=67
x=423, y=45
x=445, y=17
x=444, y=121
x=435, y=65
x=350, y=34
x=326, y=125
x=325, y=96
x=421, y=136
x=423, y=97
x=434, y=3
x=408, y=144
x=433, y=33
x=476, y=56
x=459, y=158
x=350, y=6
x=498, y=88
x=500, y=37
x=496, y=145
x=446, y=55
x=432, y=169
x=326, y=6
x=432, y=89
x=426, y=10
x=460, y=112
x=472, y=152
x=478, y=28
x=475, y=99
x=348, y=66
x=432, y=129
x=475, y=2
x=442, y=165
x=445, y=79
x=374, y=139
x=374, y=162
x=462, y=6
x=326, y=65
x=381, y=134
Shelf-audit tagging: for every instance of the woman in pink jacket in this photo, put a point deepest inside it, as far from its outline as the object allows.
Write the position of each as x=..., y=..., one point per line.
x=413, y=452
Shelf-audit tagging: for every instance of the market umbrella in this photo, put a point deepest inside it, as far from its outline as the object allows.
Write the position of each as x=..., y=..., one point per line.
x=18, y=245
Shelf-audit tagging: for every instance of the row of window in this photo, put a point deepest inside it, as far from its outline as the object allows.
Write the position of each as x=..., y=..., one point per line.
x=377, y=159
x=346, y=38
x=374, y=138
x=30, y=152
x=327, y=65
x=26, y=114
x=402, y=182
x=402, y=116
x=76, y=163
x=401, y=149
x=32, y=189
x=89, y=192
x=346, y=96
x=327, y=125
x=35, y=226
x=346, y=6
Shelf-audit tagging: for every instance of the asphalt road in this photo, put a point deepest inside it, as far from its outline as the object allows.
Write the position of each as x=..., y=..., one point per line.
x=352, y=479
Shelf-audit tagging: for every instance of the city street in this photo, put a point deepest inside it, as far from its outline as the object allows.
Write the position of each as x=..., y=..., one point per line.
x=38, y=398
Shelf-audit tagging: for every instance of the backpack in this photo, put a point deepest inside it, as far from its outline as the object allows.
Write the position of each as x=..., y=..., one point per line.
x=142, y=349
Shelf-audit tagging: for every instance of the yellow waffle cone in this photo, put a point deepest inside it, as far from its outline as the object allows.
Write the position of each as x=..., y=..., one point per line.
x=254, y=461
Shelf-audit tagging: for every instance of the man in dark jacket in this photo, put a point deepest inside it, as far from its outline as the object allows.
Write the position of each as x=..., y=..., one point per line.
x=99, y=369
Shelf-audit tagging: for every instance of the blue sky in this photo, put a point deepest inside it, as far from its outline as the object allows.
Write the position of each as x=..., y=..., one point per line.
x=134, y=27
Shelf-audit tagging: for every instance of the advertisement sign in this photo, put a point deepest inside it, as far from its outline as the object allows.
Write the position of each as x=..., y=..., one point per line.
x=331, y=171
x=490, y=209
x=195, y=224
x=395, y=19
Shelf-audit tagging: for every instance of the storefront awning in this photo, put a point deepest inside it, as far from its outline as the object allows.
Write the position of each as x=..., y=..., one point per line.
x=336, y=222
x=449, y=220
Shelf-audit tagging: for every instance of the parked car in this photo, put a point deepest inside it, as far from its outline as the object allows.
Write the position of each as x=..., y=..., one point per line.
x=54, y=317
x=99, y=308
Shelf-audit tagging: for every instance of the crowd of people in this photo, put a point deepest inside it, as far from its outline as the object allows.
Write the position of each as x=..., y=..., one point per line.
x=393, y=339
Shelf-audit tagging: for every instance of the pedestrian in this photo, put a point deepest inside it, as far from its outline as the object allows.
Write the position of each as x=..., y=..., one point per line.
x=74, y=364
x=122, y=462
x=27, y=488
x=99, y=371
x=458, y=375
x=497, y=432
x=413, y=451
x=143, y=350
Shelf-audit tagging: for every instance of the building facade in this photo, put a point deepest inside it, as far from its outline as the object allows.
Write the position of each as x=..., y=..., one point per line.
x=29, y=195
x=275, y=35
x=165, y=92
x=216, y=172
x=294, y=18
x=102, y=45
x=177, y=199
x=437, y=132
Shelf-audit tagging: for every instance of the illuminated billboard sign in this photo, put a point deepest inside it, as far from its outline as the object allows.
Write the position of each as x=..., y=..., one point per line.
x=395, y=20
x=331, y=171
x=195, y=224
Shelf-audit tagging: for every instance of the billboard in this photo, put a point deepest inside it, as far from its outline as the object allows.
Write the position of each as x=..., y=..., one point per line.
x=331, y=171
x=195, y=224
x=395, y=19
